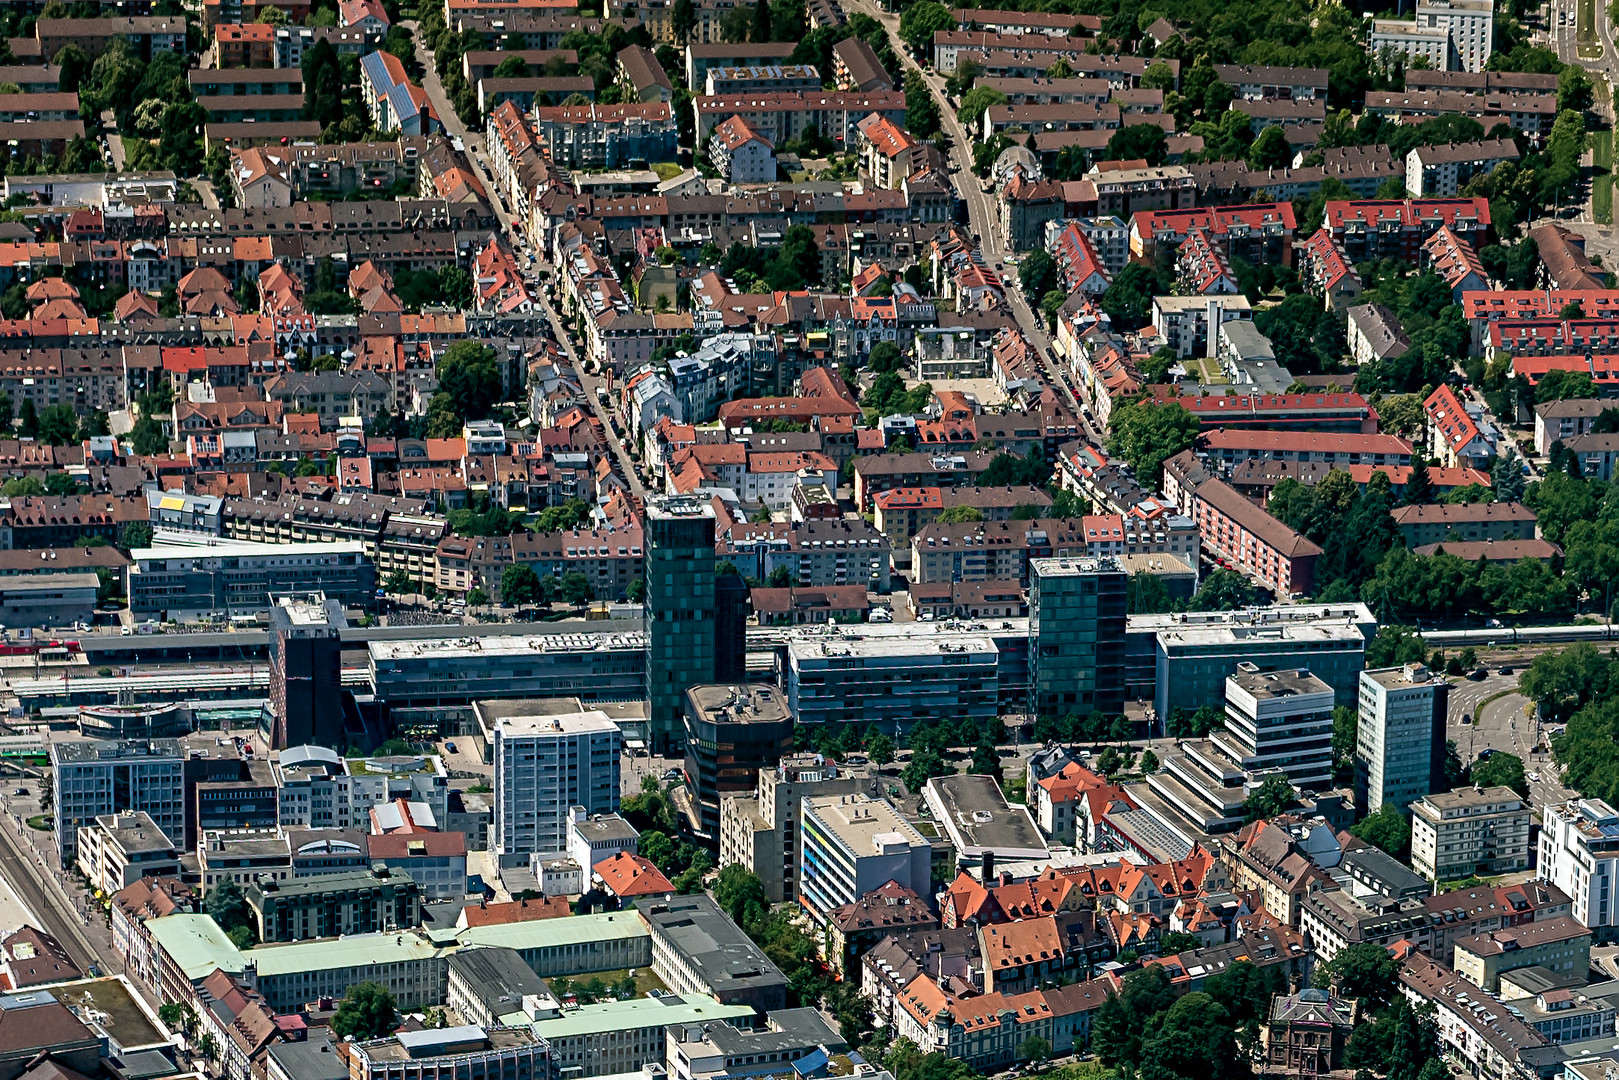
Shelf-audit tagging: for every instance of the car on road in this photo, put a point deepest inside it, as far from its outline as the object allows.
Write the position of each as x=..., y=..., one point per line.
x=1486, y=754
x=671, y=775
x=1478, y=673
x=1467, y=718
x=1534, y=778
x=1503, y=671
x=20, y=791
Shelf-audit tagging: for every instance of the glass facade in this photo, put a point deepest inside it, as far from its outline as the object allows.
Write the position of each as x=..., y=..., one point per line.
x=679, y=611
x=1076, y=636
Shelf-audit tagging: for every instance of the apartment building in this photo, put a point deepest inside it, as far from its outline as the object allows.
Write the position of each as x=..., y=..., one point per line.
x=1560, y=421
x=548, y=756
x=1372, y=229
x=1258, y=82
x=762, y=831
x=1234, y=446
x=991, y=550
x=1434, y=523
x=852, y=846
x=1184, y=323
x=1598, y=454
x=1559, y=945
x=120, y=849
x=1579, y=853
x=1442, y=171
x=333, y=905
x=1469, y=831
x=606, y=136
x=1256, y=233
x=1253, y=541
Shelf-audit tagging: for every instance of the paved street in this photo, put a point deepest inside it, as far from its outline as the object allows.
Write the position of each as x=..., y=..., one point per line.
x=1500, y=722
x=29, y=872
x=1561, y=22
x=473, y=140
x=981, y=210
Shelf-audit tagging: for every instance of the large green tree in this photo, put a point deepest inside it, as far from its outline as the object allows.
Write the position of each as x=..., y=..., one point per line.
x=469, y=381
x=919, y=23
x=1273, y=796
x=921, y=109
x=1364, y=970
x=1145, y=435
x=1501, y=769
x=1128, y=299
x=366, y=1012
x=1387, y=829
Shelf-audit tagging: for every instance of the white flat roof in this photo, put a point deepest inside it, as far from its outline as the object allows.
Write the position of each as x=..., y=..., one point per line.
x=953, y=645
x=516, y=645
x=231, y=549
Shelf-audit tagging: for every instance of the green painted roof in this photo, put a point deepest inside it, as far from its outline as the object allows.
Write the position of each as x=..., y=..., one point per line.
x=638, y=1013
x=356, y=950
x=548, y=933
x=197, y=944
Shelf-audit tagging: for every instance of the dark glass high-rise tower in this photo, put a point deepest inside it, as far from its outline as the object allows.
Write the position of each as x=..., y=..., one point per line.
x=1076, y=636
x=306, y=671
x=680, y=612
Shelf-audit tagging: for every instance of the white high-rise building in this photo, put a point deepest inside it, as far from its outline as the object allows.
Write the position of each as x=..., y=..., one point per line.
x=1279, y=720
x=853, y=845
x=1400, y=739
x=1413, y=39
x=1456, y=834
x=549, y=756
x=1471, y=25
x=1448, y=35
x=1579, y=853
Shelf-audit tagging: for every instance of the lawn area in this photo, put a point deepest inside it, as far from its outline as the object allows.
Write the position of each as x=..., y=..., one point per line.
x=1205, y=370
x=599, y=985
x=666, y=170
x=42, y=822
x=1585, y=31
x=1602, y=183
